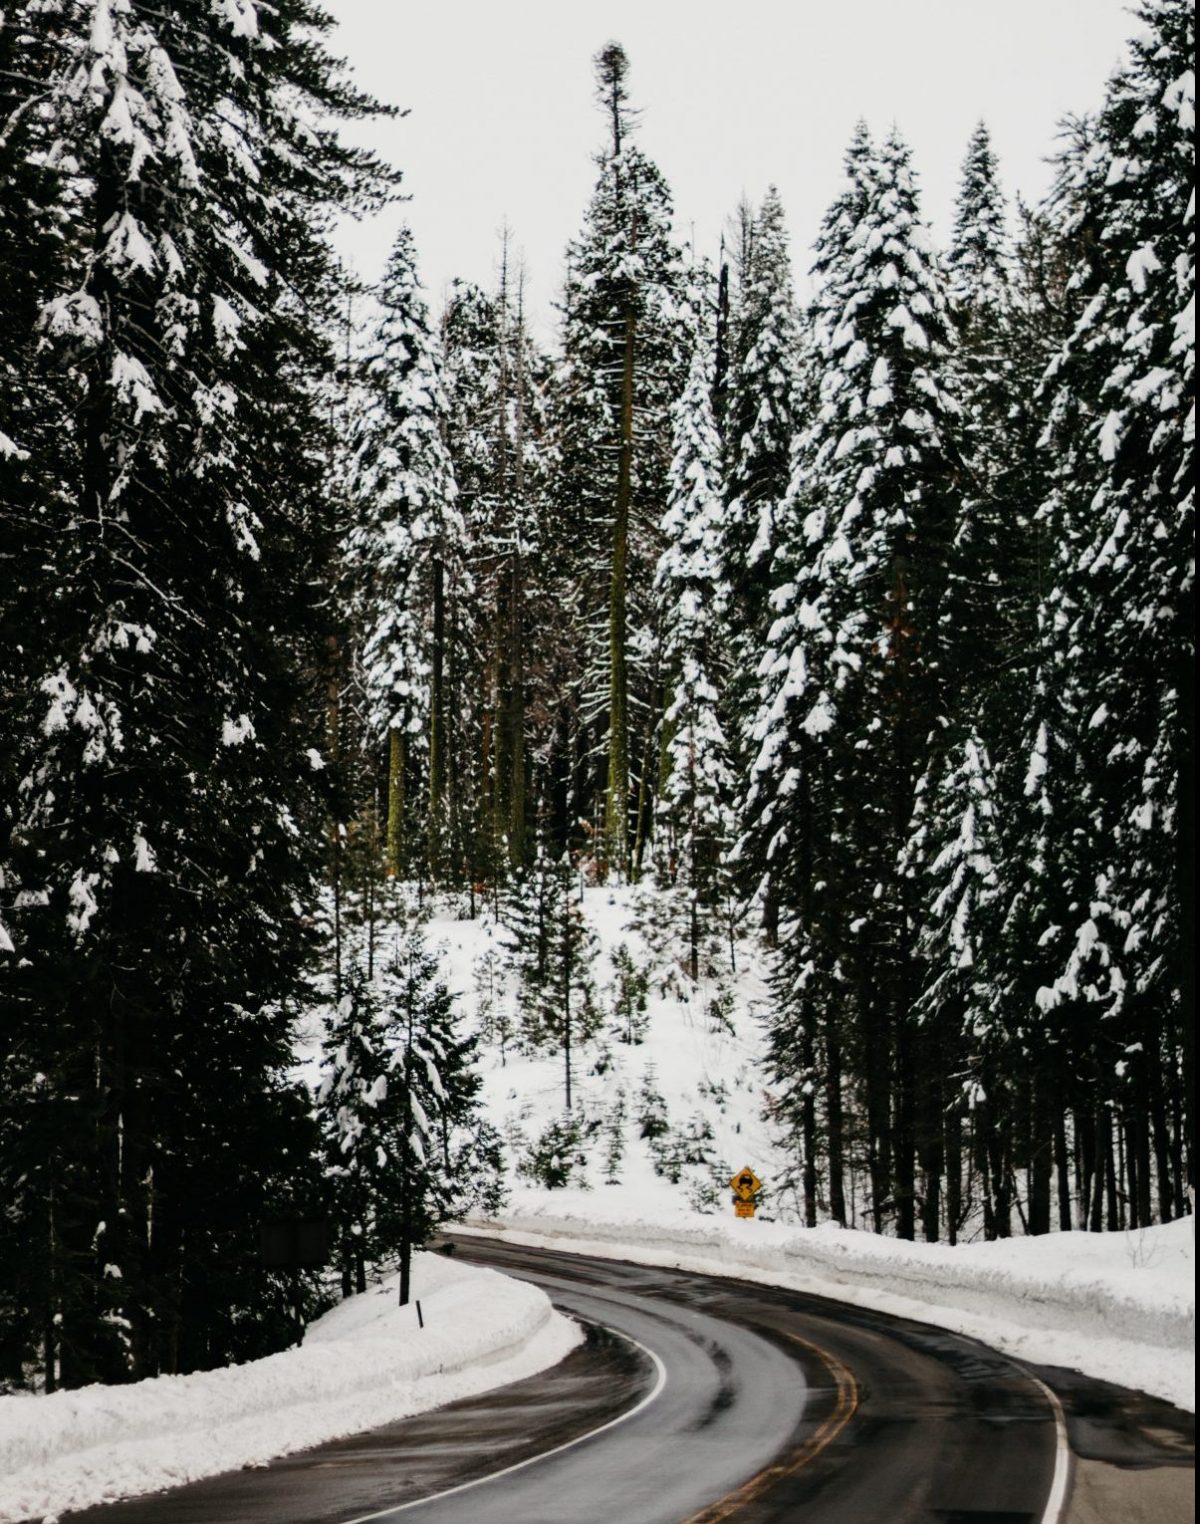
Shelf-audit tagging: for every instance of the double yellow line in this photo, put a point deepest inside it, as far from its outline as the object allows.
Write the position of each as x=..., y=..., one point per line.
x=844, y=1409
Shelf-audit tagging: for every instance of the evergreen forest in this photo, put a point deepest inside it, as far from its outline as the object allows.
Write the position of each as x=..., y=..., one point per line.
x=854, y=612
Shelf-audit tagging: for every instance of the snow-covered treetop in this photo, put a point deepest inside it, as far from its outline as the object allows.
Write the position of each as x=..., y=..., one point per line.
x=692, y=523
x=403, y=483
x=764, y=403
x=883, y=332
x=979, y=259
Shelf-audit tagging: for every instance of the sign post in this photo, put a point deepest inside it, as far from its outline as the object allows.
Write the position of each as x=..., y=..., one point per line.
x=745, y=1186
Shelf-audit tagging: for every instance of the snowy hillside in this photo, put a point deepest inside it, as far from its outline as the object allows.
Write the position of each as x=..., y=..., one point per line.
x=701, y=1053
x=673, y=1112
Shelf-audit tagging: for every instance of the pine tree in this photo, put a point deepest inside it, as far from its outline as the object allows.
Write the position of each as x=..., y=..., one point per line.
x=631, y=985
x=695, y=816
x=407, y=1145
x=761, y=418
x=34, y=421
x=554, y=949
x=850, y=683
x=448, y=1158
x=619, y=375
x=170, y=802
x=409, y=549
x=360, y=1121
x=954, y=854
x=476, y=439
x=493, y=437
x=1118, y=617
x=990, y=558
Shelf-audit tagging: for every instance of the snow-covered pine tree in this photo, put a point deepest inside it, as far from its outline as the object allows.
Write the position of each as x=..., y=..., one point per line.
x=168, y=821
x=1119, y=623
x=359, y=1122
x=621, y=371
x=35, y=405
x=694, y=823
x=553, y=949
x=408, y=547
x=407, y=1145
x=1034, y=1058
x=494, y=441
x=760, y=420
x=989, y=570
x=630, y=988
x=986, y=641
x=978, y=262
x=477, y=442
x=954, y=855
x=850, y=684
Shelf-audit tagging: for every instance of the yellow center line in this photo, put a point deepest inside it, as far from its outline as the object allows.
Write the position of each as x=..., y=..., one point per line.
x=844, y=1409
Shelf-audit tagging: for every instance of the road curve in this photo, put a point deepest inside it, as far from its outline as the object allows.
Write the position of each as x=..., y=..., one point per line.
x=698, y=1400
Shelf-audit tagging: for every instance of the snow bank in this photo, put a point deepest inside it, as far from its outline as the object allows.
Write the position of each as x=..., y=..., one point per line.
x=1118, y=1306
x=365, y=1363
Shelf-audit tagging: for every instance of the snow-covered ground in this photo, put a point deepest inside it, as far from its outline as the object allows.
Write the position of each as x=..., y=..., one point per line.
x=702, y=1052
x=1119, y=1306
x=363, y=1364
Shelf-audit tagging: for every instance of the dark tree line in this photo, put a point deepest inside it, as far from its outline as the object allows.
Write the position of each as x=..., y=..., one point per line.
x=164, y=544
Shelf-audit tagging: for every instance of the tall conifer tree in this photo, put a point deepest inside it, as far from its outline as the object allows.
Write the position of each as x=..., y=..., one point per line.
x=409, y=547
x=621, y=371
x=851, y=685
x=695, y=817
x=170, y=799
x=1119, y=615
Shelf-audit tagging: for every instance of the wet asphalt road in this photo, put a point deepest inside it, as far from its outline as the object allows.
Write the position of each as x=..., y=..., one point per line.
x=742, y=1403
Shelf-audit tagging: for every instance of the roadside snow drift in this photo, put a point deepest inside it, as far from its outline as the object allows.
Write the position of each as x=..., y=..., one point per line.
x=1118, y=1306
x=365, y=1363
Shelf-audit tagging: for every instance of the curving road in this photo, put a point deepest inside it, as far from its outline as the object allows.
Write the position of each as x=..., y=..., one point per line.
x=698, y=1400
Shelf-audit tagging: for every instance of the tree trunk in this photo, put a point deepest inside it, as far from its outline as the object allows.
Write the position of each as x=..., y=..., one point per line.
x=1041, y=1161
x=437, y=729
x=395, y=803
x=903, y=1141
x=1184, y=738
x=1062, y=1161
x=953, y=1172
x=835, y=1124
x=1101, y=1162
x=808, y=1123
x=616, y=799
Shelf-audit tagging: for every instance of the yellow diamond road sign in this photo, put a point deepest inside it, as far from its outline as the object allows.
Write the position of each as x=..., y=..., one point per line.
x=746, y=1184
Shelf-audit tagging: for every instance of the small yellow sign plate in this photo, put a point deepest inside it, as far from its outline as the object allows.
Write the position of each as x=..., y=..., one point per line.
x=744, y=1209
x=746, y=1184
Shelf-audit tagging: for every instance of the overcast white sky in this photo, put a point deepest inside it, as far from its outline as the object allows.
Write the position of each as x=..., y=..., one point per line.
x=502, y=122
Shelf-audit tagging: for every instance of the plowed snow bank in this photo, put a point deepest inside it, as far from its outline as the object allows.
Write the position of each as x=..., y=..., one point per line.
x=1118, y=1306
x=365, y=1363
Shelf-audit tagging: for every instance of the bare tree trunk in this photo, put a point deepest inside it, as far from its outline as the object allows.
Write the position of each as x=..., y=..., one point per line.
x=834, y=1121
x=616, y=799
x=954, y=1154
x=395, y=803
x=1063, y=1164
x=437, y=728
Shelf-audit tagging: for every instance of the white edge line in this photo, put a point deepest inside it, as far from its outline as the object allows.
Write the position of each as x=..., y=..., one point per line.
x=533, y=1460
x=1056, y=1503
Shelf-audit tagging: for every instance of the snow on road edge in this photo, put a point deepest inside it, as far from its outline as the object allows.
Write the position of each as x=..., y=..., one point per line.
x=1051, y=1301
x=364, y=1364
